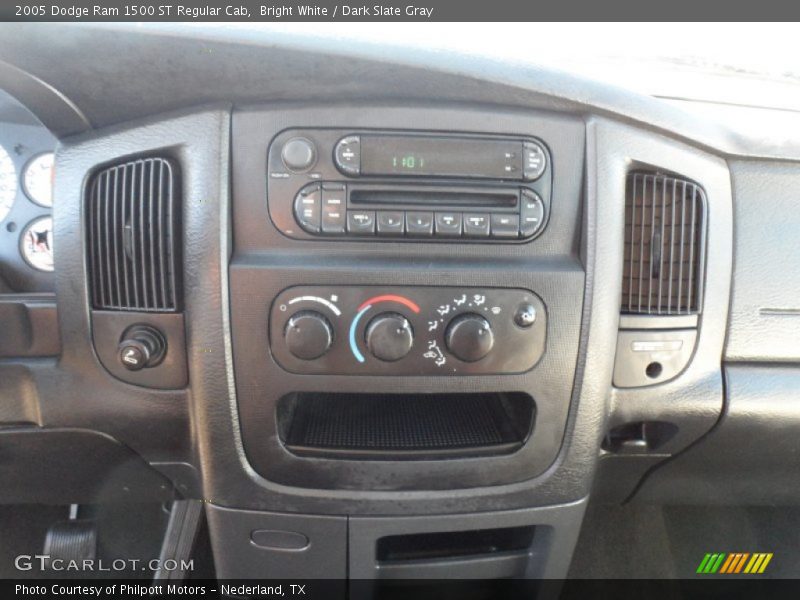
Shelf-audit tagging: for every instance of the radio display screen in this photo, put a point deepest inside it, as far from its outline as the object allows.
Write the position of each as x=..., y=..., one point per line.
x=440, y=157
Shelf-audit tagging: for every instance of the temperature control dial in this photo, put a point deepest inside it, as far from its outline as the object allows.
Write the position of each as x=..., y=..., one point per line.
x=469, y=337
x=389, y=337
x=308, y=335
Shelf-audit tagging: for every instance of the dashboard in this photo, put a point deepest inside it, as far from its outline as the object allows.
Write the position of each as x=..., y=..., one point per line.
x=351, y=306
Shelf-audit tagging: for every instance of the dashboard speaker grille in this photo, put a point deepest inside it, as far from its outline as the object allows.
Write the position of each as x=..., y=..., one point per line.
x=132, y=220
x=664, y=231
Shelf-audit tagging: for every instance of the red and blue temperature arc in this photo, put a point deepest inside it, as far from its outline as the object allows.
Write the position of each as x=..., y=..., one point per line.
x=365, y=306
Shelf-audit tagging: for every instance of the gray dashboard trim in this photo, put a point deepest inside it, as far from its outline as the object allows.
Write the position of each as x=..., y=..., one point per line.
x=124, y=77
x=765, y=301
x=750, y=457
x=280, y=68
x=200, y=425
x=79, y=392
x=55, y=111
x=693, y=400
x=548, y=266
x=230, y=481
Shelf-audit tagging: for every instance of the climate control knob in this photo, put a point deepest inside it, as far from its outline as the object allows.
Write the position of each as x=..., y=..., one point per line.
x=389, y=337
x=308, y=335
x=469, y=337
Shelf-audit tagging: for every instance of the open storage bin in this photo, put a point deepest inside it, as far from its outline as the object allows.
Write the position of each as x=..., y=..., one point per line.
x=404, y=426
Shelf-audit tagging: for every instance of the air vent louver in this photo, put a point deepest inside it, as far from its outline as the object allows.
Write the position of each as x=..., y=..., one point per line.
x=132, y=220
x=663, y=245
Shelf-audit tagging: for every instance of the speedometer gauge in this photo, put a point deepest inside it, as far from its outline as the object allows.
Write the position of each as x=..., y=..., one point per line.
x=8, y=183
x=37, y=179
x=36, y=244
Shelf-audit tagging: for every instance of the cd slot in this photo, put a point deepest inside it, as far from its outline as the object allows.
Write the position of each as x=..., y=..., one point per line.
x=401, y=196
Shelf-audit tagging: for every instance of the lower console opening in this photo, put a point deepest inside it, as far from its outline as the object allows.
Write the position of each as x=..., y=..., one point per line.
x=404, y=426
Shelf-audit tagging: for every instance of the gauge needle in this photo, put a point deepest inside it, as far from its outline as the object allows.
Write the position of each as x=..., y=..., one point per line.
x=41, y=239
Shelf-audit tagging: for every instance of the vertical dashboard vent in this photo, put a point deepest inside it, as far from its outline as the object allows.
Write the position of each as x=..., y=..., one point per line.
x=664, y=232
x=132, y=218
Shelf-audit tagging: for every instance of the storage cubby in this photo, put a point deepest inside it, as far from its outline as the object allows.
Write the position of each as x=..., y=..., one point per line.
x=404, y=426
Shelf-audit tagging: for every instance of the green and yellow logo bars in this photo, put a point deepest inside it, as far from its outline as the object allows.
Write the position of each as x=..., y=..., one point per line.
x=735, y=562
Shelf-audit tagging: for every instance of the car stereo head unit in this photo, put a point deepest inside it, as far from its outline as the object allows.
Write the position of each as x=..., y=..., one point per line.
x=435, y=156
x=408, y=185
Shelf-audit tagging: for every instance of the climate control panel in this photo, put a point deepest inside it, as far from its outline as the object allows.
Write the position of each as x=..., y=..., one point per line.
x=395, y=330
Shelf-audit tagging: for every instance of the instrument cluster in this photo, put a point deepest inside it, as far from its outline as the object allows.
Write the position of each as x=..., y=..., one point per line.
x=36, y=238
x=27, y=176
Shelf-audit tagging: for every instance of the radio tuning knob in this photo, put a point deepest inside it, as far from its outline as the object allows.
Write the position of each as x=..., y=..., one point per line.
x=469, y=337
x=299, y=154
x=308, y=335
x=347, y=155
x=389, y=337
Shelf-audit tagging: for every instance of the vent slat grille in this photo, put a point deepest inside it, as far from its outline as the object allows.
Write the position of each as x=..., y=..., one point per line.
x=663, y=245
x=132, y=213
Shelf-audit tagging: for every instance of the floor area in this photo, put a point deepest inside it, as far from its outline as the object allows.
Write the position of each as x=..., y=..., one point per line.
x=664, y=542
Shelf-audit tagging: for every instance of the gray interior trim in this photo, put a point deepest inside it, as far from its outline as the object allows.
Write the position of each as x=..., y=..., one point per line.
x=237, y=555
x=55, y=111
x=765, y=301
x=228, y=477
x=657, y=322
x=693, y=400
x=556, y=532
x=750, y=457
x=265, y=262
x=274, y=65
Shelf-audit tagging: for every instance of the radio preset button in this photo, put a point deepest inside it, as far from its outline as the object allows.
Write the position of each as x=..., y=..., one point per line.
x=531, y=213
x=448, y=223
x=307, y=208
x=333, y=219
x=476, y=224
x=390, y=222
x=419, y=223
x=333, y=208
x=534, y=161
x=361, y=222
x=505, y=225
x=347, y=155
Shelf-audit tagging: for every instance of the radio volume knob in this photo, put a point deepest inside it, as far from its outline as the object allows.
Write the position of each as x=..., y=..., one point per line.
x=469, y=337
x=308, y=335
x=389, y=337
x=299, y=154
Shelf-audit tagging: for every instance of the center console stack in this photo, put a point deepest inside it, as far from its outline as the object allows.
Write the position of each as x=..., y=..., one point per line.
x=406, y=293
